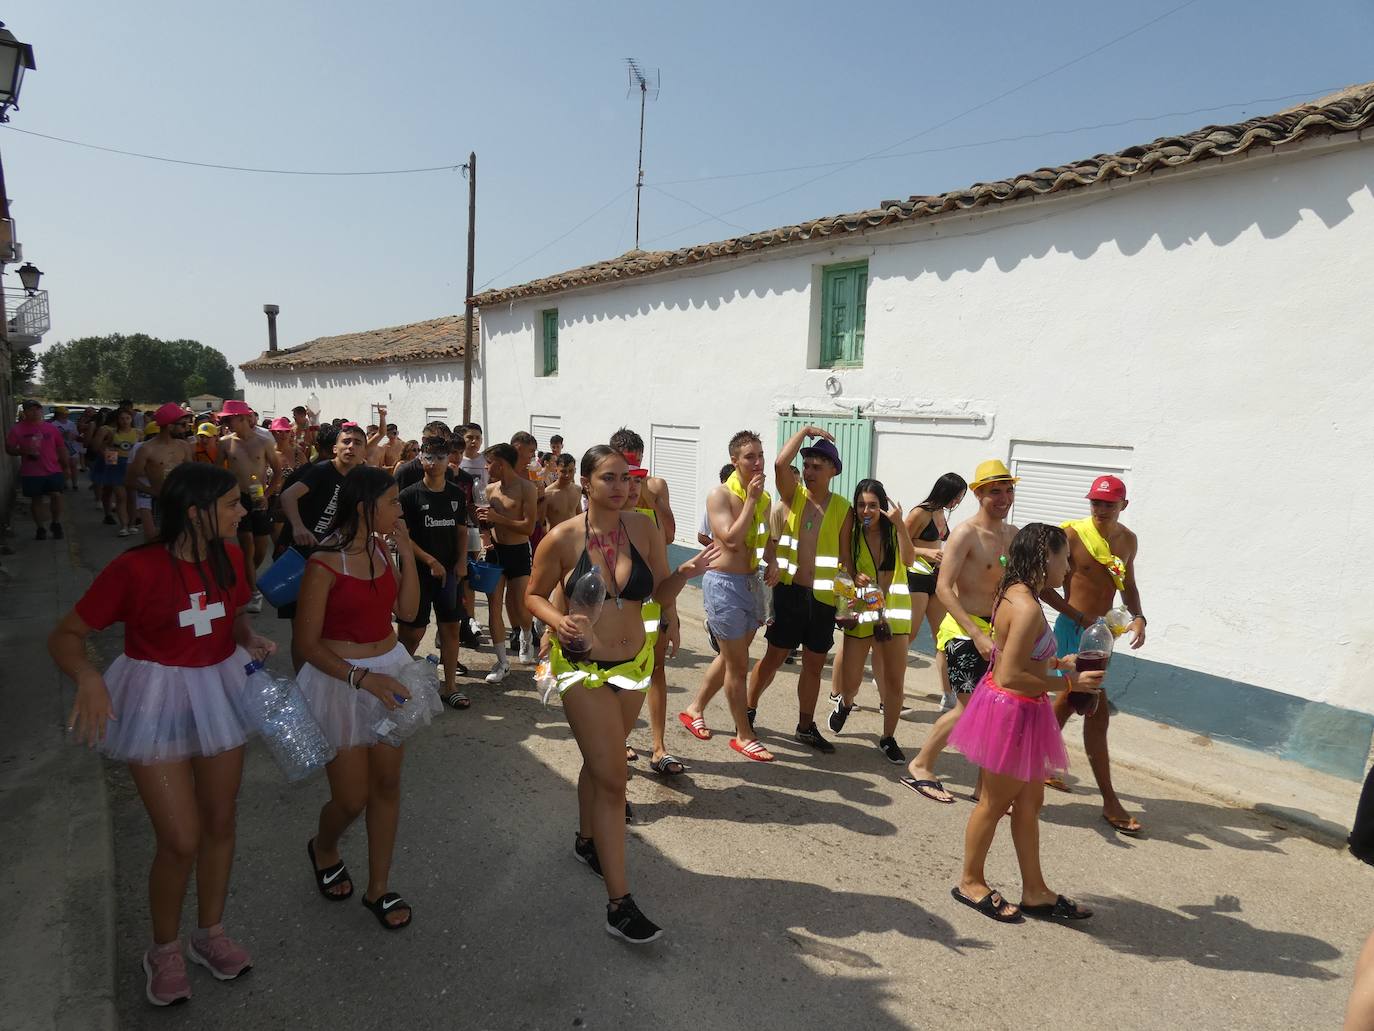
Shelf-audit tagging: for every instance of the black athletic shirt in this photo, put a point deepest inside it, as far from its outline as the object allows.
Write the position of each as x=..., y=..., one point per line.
x=320, y=501
x=437, y=520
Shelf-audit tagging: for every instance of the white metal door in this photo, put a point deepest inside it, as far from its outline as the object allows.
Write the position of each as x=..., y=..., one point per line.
x=673, y=456
x=542, y=427
x=1055, y=478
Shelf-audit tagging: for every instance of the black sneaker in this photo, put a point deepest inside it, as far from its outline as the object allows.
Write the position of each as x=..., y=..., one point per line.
x=841, y=713
x=513, y=640
x=791, y=657
x=468, y=638
x=629, y=813
x=627, y=922
x=812, y=736
x=56, y=529
x=585, y=851
x=751, y=713
x=42, y=534
x=888, y=746
x=109, y=520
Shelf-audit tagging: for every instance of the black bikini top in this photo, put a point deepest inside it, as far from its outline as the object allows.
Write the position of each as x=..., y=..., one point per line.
x=639, y=585
x=931, y=532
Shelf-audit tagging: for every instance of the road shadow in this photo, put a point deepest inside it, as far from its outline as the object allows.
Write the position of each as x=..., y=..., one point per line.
x=1185, y=823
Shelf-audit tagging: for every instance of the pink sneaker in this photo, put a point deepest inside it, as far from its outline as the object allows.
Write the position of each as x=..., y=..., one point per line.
x=219, y=954
x=166, y=970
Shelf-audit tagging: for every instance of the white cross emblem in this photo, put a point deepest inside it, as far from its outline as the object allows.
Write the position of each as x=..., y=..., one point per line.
x=199, y=616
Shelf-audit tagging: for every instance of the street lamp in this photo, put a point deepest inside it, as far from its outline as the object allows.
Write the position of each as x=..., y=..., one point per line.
x=29, y=275
x=15, y=57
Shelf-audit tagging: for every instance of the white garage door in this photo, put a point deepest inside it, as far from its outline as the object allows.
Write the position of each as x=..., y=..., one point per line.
x=673, y=456
x=542, y=427
x=1055, y=477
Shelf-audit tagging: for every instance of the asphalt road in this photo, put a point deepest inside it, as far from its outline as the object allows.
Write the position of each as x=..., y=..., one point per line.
x=813, y=892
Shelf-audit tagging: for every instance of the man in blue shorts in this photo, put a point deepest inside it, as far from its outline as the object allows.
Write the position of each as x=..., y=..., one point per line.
x=44, y=466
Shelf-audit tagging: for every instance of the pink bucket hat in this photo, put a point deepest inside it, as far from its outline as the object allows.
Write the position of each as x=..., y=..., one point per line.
x=232, y=408
x=281, y=424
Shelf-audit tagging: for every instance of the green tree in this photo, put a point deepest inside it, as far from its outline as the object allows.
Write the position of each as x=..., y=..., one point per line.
x=194, y=385
x=137, y=366
x=23, y=364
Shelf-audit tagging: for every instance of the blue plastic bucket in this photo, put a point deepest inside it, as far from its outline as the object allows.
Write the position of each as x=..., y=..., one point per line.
x=282, y=581
x=484, y=577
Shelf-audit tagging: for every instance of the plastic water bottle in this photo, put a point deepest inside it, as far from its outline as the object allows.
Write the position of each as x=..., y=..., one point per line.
x=278, y=711
x=1119, y=620
x=1094, y=653
x=587, y=598
x=421, y=679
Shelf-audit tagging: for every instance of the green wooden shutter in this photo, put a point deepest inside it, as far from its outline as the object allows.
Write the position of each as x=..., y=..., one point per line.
x=853, y=439
x=844, y=306
x=551, y=342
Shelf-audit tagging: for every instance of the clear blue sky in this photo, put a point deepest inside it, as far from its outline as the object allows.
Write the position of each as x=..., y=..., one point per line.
x=538, y=90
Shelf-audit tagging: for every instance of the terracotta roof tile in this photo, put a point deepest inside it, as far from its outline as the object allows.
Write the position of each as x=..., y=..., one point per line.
x=417, y=341
x=1345, y=111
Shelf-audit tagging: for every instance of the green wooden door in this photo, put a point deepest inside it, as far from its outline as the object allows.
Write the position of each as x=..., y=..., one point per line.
x=853, y=438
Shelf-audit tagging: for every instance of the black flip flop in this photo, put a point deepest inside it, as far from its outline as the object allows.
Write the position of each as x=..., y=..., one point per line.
x=1061, y=910
x=668, y=765
x=384, y=905
x=924, y=787
x=989, y=905
x=325, y=879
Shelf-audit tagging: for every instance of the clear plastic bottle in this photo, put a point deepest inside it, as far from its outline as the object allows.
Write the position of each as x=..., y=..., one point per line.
x=256, y=491
x=1094, y=653
x=587, y=598
x=421, y=679
x=278, y=711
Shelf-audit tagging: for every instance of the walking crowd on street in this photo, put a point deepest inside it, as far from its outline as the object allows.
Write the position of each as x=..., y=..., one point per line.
x=571, y=557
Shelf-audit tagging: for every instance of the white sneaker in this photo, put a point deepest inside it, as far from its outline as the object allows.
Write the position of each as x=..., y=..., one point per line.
x=528, y=653
x=124, y=531
x=498, y=673
x=254, y=603
x=947, y=701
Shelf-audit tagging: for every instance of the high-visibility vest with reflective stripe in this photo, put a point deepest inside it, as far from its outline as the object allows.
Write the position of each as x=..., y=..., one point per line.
x=757, y=540
x=897, y=611
x=631, y=675
x=827, y=562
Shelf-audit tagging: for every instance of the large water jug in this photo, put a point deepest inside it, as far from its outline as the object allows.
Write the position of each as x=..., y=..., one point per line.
x=278, y=711
x=421, y=679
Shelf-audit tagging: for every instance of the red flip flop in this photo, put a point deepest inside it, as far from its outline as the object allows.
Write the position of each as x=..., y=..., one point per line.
x=753, y=750
x=696, y=727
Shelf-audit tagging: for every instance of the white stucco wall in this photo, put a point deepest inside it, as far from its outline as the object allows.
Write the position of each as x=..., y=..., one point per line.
x=1217, y=323
x=406, y=390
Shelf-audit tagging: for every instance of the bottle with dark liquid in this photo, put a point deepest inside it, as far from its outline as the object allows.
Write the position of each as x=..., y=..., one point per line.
x=1094, y=654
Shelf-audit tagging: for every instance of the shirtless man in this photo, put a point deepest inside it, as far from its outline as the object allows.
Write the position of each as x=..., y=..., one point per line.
x=250, y=457
x=509, y=511
x=379, y=439
x=738, y=513
x=804, y=599
x=653, y=493
x=391, y=453
x=968, y=579
x=563, y=498
x=158, y=456
x=1089, y=592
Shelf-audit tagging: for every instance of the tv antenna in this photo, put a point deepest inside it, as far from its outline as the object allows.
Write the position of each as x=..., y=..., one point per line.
x=639, y=80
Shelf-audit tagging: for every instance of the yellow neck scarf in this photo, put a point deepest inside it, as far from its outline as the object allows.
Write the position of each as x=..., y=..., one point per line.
x=1099, y=549
x=758, y=533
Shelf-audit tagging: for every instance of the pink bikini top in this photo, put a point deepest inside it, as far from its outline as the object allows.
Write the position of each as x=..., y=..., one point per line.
x=1046, y=647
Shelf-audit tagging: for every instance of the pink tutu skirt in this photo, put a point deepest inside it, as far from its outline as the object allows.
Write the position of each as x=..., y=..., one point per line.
x=347, y=715
x=1009, y=733
x=170, y=713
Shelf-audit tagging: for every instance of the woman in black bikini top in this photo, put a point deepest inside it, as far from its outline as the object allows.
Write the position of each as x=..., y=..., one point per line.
x=602, y=693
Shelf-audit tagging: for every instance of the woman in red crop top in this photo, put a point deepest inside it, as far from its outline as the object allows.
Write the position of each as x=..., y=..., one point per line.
x=169, y=706
x=603, y=689
x=344, y=635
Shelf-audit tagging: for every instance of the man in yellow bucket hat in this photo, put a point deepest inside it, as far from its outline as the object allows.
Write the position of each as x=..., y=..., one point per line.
x=969, y=575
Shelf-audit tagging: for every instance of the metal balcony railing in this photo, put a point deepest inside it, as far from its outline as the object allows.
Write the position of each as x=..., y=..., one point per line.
x=27, y=318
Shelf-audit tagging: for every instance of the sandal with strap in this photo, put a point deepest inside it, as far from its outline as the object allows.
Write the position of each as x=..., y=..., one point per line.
x=990, y=905
x=927, y=789
x=382, y=907
x=328, y=878
x=695, y=725
x=668, y=765
x=1061, y=910
x=753, y=750
x=457, y=700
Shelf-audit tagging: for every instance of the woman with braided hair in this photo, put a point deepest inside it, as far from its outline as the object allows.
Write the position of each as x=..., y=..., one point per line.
x=1009, y=730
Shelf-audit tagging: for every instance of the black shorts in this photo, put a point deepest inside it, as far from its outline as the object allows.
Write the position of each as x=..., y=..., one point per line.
x=447, y=609
x=514, y=559
x=258, y=521
x=966, y=666
x=921, y=583
x=799, y=618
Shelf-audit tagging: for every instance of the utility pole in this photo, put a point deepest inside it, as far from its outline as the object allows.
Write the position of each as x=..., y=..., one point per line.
x=471, y=169
x=638, y=80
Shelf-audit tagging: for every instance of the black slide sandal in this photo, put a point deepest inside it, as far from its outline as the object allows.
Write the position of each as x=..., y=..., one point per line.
x=384, y=905
x=668, y=766
x=989, y=905
x=1061, y=910
x=325, y=879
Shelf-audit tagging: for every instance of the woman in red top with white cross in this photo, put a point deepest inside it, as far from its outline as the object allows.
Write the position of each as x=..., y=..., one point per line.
x=169, y=706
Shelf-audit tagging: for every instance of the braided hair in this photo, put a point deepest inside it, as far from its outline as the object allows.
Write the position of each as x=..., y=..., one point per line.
x=1029, y=556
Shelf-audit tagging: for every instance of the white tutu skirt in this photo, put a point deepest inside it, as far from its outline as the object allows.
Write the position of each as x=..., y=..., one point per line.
x=170, y=713
x=348, y=715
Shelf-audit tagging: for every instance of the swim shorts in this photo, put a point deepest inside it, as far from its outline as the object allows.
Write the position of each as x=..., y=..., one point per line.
x=801, y=619
x=733, y=604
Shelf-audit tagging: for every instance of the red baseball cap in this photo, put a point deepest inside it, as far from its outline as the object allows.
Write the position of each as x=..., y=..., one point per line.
x=1107, y=488
x=640, y=471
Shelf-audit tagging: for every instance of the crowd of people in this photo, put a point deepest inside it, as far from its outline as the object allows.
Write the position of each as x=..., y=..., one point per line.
x=572, y=559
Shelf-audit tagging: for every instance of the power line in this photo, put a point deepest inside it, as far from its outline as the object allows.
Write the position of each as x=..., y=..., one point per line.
x=230, y=168
x=556, y=239
x=988, y=143
x=940, y=125
x=683, y=200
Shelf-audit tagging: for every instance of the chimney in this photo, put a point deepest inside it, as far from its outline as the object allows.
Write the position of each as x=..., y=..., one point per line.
x=272, y=311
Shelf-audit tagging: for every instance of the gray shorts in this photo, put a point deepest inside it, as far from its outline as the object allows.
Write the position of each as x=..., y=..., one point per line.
x=735, y=604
